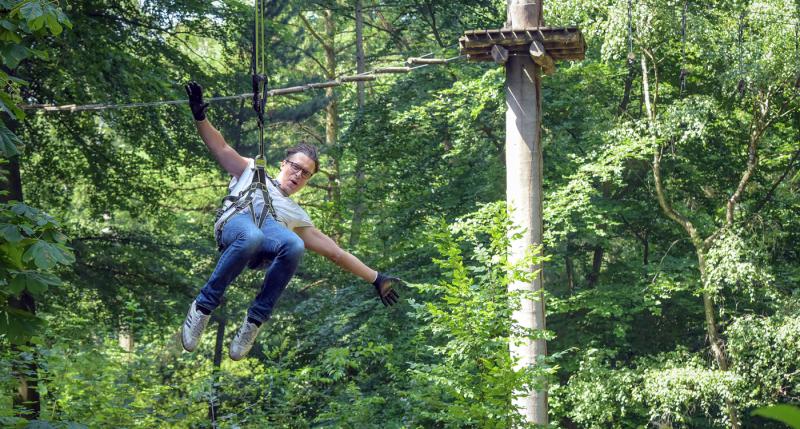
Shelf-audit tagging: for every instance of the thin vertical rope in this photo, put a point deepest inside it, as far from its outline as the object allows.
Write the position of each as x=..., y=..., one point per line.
x=263, y=36
x=256, y=38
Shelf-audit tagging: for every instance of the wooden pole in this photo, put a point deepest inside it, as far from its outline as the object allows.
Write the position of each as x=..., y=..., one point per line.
x=524, y=198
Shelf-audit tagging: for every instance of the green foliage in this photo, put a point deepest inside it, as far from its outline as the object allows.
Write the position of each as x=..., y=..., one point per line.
x=466, y=327
x=32, y=250
x=672, y=388
x=764, y=351
x=135, y=190
x=782, y=413
x=22, y=22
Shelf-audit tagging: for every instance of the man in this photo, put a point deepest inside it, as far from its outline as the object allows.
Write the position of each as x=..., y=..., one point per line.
x=280, y=240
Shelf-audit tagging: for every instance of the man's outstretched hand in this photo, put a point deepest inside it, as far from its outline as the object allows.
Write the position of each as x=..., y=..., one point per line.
x=195, y=93
x=384, y=286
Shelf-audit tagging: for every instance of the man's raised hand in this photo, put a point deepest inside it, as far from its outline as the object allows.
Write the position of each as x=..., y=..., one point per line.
x=384, y=287
x=195, y=93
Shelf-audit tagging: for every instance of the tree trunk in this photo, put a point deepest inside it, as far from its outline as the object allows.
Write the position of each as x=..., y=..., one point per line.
x=27, y=393
x=359, y=209
x=700, y=248
x=626, y=95
x=597, y=264
x=332, y=123
x=524, y=198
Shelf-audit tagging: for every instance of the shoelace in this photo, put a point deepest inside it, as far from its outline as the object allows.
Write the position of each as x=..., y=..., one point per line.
x=247, y=334
x=196, y=323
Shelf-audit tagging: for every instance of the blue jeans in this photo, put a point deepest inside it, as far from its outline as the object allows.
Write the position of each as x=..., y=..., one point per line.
x=244, y=243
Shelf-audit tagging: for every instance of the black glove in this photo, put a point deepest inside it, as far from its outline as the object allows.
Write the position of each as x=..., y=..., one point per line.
x=195, y=93
x=384, y=286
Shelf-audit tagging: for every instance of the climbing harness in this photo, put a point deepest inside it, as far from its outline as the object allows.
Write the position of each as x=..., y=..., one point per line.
x=235, y=204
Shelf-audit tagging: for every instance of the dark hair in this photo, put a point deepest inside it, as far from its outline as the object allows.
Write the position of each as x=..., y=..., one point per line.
x=306, y=149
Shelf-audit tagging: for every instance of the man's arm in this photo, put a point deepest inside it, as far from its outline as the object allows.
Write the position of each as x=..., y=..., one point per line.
x=317, y=242
x=225, y=155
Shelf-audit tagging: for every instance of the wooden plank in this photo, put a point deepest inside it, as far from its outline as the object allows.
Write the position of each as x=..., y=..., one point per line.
x=511, y=30
x=521, y=38
x=577, y=47
x=499, y=54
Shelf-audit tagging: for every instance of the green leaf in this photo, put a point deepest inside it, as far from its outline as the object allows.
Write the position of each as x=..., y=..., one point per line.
x=787, y=414
x=8, y=142
x=53, y=25
x=31, y=11
x=44, y=255
x=40, y=424
x=13, y=54
x=10, y=233
x=8, y=105
x=63, y=19
x=38, y=23
x=5, y=78
x=12, y=253
x=16, y=285
x=34, y=281
x=23, y=209
x=10, y=36
x=19, y=325
x=8, y=25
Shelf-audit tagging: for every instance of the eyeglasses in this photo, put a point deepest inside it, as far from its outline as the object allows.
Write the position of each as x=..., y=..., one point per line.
x=305, y=174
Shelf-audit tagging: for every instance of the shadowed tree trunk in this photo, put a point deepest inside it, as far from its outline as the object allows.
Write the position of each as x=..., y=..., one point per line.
x=27, y=394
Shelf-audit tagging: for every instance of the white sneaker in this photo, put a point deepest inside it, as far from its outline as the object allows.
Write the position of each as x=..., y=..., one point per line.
x=244, y=339
x=193, y=327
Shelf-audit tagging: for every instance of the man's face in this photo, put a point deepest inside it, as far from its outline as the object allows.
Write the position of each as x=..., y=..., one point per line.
x=295, y=172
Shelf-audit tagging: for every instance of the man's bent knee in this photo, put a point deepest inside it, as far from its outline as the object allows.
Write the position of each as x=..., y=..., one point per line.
x=249, y=241
x=294, y=248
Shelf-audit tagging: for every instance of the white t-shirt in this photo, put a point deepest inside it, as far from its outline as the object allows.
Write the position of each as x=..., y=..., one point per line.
x=288, y=212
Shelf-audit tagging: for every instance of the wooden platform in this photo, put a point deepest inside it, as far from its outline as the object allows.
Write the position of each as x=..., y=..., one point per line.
x=560, y=43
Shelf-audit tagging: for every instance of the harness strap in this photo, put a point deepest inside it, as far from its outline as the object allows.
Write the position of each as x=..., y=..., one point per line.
x=258, y=66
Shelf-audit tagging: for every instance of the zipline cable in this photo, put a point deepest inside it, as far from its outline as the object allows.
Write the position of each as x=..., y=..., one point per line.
x=44, y=108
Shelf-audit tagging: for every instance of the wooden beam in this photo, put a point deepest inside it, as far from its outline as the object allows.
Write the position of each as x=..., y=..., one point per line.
x=517, y=37
x=384, y=70
x=328, y=84
x=540, y=57
x=357, y=78
x=507, y=30
x=426, y=61
x=499, y=54
x=289, y=90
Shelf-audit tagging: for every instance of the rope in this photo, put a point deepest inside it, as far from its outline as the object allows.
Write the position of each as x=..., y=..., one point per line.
x=44, y=108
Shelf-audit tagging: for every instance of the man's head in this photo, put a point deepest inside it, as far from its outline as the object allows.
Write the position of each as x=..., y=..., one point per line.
x=300, y=163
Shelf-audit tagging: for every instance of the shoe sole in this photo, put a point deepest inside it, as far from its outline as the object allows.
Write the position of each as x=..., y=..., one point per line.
x=184, y=343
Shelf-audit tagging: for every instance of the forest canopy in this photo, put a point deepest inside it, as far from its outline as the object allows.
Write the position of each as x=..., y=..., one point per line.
x=671, y=194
